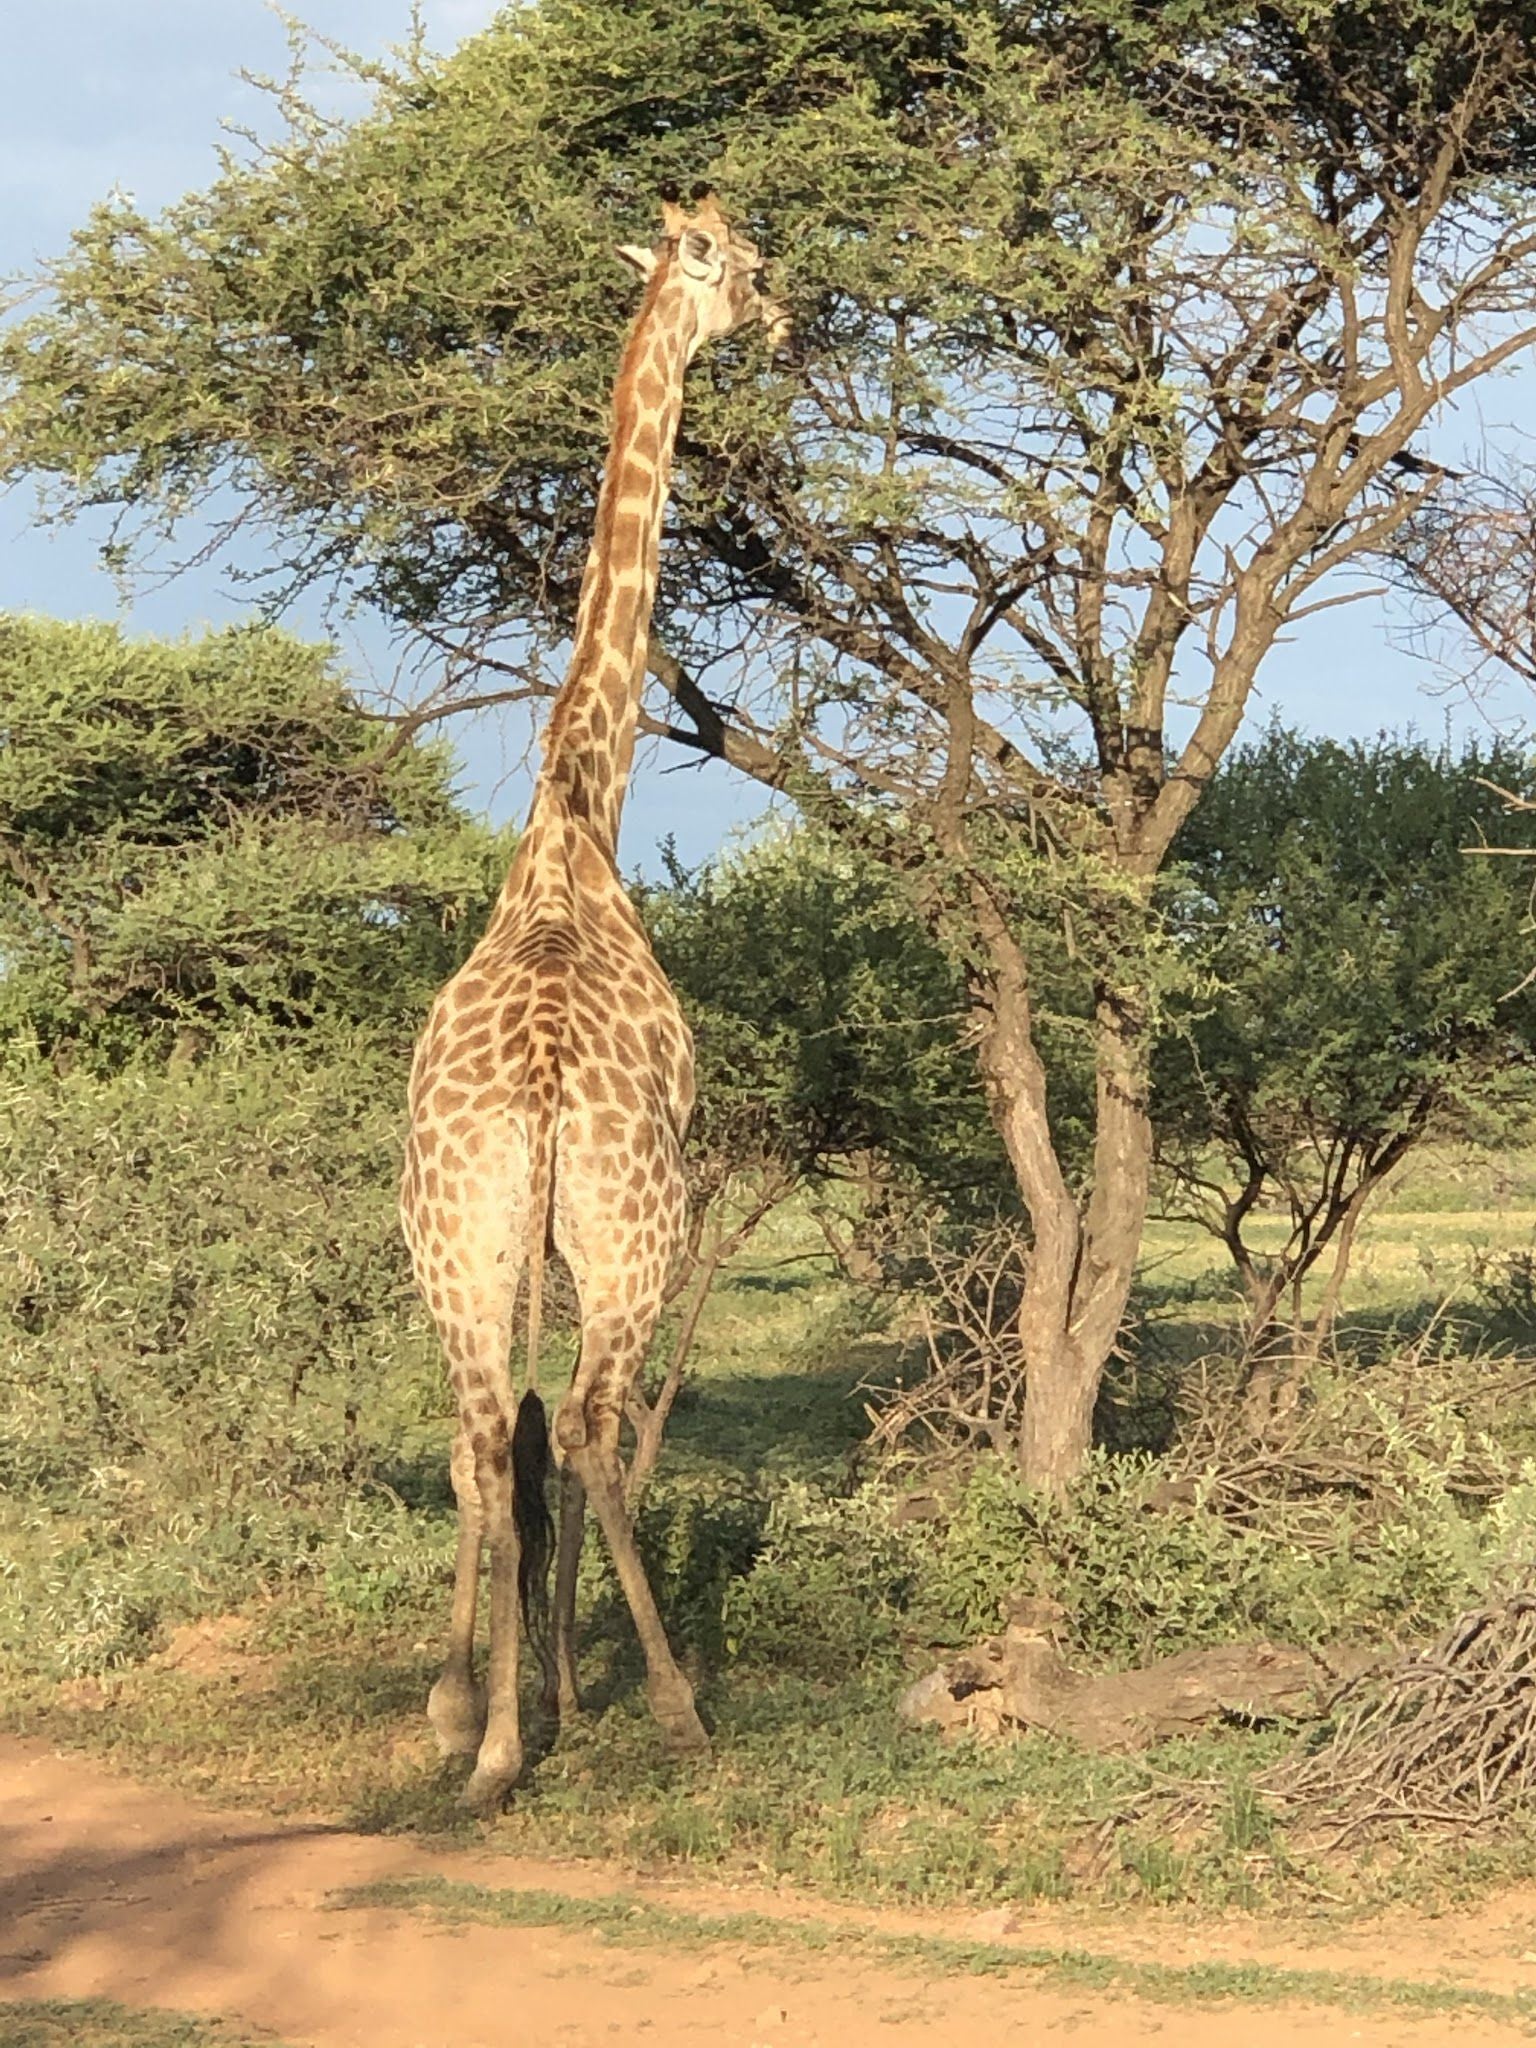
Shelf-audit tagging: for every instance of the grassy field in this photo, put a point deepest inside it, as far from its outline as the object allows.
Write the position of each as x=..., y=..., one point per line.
x=1427, y=1243
x=791, y=1586
x=99, y=2023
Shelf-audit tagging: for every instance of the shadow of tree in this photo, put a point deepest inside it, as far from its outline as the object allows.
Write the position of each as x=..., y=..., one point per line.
x=797, y=1422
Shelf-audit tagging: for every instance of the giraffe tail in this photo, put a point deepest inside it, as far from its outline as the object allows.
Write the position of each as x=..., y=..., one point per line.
x=541, y=1092
x=531, y=1464
x=531, y=1460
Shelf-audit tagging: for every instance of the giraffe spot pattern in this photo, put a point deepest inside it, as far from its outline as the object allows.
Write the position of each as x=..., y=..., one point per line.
x=560, y=1037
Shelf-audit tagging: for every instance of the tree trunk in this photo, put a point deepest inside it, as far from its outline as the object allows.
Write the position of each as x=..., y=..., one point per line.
x=1082, y=1260
x=1267, y=1347
x=1311, y=1344
x=1280, y=1359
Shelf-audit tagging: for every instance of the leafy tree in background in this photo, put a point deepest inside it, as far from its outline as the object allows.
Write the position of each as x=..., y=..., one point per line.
x=1363, y=965
x=825, y=1022
x=826, y=1034
x=1115, y=326
x=201, y=834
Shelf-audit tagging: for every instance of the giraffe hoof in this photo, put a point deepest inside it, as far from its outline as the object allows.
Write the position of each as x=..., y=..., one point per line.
x=486, y=1793
x=457, y=1714
x=682, y=1732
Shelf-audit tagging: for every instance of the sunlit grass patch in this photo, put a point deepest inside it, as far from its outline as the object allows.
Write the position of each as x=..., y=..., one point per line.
x=99, y=2023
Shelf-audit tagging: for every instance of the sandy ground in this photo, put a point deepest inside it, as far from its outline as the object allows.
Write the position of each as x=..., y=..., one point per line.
x=116, y=1890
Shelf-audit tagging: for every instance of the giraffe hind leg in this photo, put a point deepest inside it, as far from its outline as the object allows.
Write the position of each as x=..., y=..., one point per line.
x=456, y=1703
x=485, y=1397
x=611, y=1348
x=668, y=1691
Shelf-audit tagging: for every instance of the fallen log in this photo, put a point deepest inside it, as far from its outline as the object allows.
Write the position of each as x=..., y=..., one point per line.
x=1018, y=1681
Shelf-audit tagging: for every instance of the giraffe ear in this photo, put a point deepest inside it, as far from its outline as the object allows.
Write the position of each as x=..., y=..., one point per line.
x=637, y=257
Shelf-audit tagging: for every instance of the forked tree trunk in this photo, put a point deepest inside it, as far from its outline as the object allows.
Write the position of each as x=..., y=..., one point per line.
x=1281, y=1359
x=1333, y=1290
x=1083, y=1257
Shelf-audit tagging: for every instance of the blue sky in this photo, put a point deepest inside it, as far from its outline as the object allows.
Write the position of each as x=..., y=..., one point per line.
x=100, y=95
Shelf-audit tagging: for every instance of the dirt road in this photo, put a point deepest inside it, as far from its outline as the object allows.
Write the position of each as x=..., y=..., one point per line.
x=111, y=1889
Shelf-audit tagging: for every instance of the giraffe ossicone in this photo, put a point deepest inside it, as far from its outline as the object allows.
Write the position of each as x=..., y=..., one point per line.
x=553, y=1084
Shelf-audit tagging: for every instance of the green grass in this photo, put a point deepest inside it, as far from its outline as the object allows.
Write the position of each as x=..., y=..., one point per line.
x=1423, y=1242
x=98, y=2023
x=625, y=1920
x=811, y=1779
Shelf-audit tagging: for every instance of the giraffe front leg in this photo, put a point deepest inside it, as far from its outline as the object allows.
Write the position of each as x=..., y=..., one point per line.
x=456, y=1703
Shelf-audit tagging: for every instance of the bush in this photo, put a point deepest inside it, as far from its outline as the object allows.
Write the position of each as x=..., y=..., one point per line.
x=829, y=1586
x=202, y=832
x=1140, y=1569
x=1140, y=1579
x=210, y=1353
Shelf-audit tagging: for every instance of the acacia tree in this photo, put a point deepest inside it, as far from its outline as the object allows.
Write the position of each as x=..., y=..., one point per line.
x=1361, y=1001
x=1115, y=325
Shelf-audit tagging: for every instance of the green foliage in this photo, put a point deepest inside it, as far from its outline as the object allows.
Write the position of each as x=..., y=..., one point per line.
x=211, y=1363
x=1080, y=295
x=840, y=1580
x=829, y=1586
x=697, y=1536
x=195, y=834
x=1140, y=1580
x=353, y=327
x=1362, y=969
x=825, y=1020
x=225, y=902
x=832, y=1599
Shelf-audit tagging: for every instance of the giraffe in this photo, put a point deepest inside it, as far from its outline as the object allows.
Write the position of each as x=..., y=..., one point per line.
x=553, y=1084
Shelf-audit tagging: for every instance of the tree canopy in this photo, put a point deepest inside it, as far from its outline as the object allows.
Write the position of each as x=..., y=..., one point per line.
x=1115, y=326
x=194, y=834
x=1054, y=274
x=1365, y=985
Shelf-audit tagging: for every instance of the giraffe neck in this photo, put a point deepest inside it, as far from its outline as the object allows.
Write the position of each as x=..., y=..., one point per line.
x=590, y=739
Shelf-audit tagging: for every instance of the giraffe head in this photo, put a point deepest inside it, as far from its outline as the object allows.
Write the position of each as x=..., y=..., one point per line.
x=718, y=271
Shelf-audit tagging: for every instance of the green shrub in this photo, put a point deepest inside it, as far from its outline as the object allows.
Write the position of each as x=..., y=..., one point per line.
x=210, y=1352
x=700, y=1535
x=839, y=1581
x=205, y=831
x=829, y=1586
